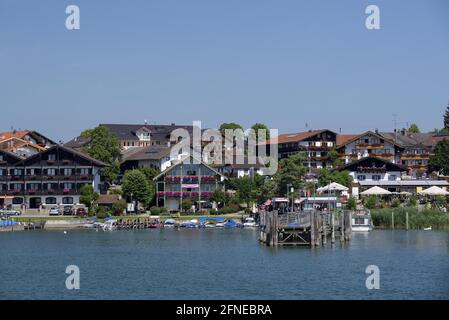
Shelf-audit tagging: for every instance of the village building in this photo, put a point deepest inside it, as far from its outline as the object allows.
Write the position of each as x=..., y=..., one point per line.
x=314, y=144
x=52, y=177
x=372, y=171
x=187, y=180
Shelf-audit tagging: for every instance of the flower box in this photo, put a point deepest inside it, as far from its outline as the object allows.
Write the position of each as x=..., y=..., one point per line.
x=66, y=161
x=50, y=162
x=160, y=193
x=176, y=194
x=66, y=190
x=186, y=194
x=31, y=191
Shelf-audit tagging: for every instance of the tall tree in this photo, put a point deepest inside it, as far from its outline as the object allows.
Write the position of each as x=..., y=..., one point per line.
x=439, y=161
x=260, y=126
x=290, y=171
x=342, y=177
x=136, y=187
x=446, y=118
x=414, y=128
x=88, y=195
x=230, y=125
x=104, y=146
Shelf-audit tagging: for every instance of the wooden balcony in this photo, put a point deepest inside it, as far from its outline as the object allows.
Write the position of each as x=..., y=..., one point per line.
x=369, y=146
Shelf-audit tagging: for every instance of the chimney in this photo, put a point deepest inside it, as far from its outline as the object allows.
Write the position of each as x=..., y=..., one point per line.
x=377, y=131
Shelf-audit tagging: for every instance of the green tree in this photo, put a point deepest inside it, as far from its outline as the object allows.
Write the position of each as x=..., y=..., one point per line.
x=187, y=204
x=370, y=202
x=150, y=173
x=119, y=207
x=439, y=161
x=260, y=126
x=334, y=158
x=342, y=177
x=218, y=196
x=136, y=187
x=230, y=125
x=414, y=128
x=105, y=147
x=352, y=203
x=88, y=195
x=291, y=170
x=446, y=118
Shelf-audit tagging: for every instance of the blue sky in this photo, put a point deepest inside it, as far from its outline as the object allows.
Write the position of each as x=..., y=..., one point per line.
x=284, y=63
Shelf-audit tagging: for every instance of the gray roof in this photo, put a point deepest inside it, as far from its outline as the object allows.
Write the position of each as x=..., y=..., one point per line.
x=405, y=183
x=407, y=139
x=148, y=153
x=158, y=132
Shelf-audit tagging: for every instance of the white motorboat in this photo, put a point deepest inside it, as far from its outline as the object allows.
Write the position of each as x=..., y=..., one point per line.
x=220, y=224
x=169, y=223
x=428, y=228
x=361, y=221
x=249, y=223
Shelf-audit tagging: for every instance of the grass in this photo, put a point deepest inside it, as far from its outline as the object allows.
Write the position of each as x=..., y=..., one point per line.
x=417, y=219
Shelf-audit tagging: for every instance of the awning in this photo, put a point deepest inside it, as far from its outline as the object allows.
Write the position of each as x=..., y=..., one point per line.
x=334, y=186
x=434, y=191
x=375, y=191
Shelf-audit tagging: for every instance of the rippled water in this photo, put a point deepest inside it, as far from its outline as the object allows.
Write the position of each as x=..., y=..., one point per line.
x=220, y=264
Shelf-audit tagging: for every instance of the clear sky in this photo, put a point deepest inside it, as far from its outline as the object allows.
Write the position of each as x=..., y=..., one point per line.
x=284, y=63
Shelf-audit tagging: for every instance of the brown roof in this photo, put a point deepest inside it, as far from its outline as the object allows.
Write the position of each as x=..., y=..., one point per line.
x=295, y=137
x=108, y=199
x=13, y=134
x=342, y=139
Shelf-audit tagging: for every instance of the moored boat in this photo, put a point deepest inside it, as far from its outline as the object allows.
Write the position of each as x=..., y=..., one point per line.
x=361, y=221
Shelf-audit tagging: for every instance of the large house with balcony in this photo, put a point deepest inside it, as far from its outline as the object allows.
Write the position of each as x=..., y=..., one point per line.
x=24, y=143
x=368, y=144
x=187, y=179
x=52, y=177
x=372, y=171
x=314, y=144
x=411, y=150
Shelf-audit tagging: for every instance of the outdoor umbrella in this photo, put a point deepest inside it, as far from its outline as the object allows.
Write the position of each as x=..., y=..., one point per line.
x=434, y=191
x=334, y=186
x=375, y=191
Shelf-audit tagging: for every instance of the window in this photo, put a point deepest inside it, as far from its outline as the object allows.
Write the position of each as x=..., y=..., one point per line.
x=84, y=171
x=67, y=200
x=52, y=157
x=376, y=177
x=67, y=172
x=1, y=157
x=359, y=220
x=51, y=172
x=392, y=177
x=17, y=201
x=50, y=200
x=68, y=186
x=361, y=177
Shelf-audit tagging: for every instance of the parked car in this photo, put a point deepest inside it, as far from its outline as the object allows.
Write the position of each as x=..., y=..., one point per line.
x=54, y=212
x=67, y=211
x=81, y=212
x=9, y=212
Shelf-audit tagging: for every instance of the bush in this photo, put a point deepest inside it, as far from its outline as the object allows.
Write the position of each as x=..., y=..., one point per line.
x=352, y=203
x=119, y=207
x=102, y=215
x=230, y=208
x=157, y=211
x=370, y=202
x=187, y=204
x=395, y=203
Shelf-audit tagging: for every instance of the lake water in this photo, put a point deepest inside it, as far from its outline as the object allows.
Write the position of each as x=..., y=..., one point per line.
x=220, y=264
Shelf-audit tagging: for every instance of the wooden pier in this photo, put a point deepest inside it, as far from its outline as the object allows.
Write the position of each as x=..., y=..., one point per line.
x=308, y=228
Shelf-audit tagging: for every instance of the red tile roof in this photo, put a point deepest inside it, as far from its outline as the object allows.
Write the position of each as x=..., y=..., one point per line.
x=13, y=134
x=295, y=137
